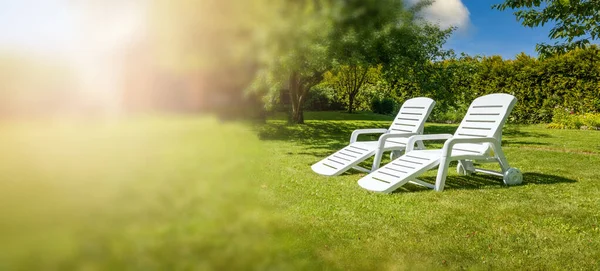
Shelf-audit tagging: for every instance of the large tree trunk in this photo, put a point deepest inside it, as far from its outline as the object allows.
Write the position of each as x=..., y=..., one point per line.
x=297, y=99
x=297, y=116
x=299, y=87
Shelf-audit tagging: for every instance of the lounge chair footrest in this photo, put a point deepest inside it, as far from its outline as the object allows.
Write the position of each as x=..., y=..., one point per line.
x=400, y=171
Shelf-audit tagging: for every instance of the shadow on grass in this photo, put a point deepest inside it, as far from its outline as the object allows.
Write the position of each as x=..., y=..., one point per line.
x=321, y=137
x=508, y=132
x=326, y=130
x=515, y=131
x=314, y=130
x=521, y=143
x=479, y=181
x=539, y=178
x=317, y=136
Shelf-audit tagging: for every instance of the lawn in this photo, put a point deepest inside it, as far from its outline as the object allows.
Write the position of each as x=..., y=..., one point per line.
x=184, y=192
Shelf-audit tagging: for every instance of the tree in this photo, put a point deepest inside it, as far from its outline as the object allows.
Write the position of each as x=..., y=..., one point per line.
x=349, y=81
x=577, y=21
x=389, y=35
x=288, y=45
x=312, y=37
x=292, y=52
x=203, y=52
x=415, y=70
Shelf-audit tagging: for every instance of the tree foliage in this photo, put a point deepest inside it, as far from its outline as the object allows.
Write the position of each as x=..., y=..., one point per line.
x=289, y=45
x=312, y=37
x=577, y=21
x=293, y=54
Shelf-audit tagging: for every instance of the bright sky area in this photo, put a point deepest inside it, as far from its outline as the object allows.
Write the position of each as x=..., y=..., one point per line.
x=91, y=34
x=83, y=33
x=60, y=26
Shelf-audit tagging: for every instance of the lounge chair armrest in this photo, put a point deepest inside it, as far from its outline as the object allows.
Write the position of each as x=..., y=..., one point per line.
x=385, y=137
x=446, y=151
x=410, y=145
x=358, y=132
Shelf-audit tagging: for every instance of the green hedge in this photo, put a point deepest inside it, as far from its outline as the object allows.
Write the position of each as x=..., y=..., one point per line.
x=570, y=81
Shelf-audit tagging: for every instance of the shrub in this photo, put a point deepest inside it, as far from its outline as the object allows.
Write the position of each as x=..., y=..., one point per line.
x=322, y=99
x=385, y=106
x=376, y=105
x=566, y=119
x=591, y=120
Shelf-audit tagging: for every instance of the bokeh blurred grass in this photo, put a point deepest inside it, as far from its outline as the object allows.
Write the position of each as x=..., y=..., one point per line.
x=130, y=193
x=191, y=192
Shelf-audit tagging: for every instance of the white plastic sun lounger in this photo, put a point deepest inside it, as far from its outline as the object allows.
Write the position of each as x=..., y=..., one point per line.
x=409, y=121
x=477, y=138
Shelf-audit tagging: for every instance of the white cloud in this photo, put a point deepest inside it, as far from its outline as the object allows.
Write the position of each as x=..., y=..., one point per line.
x=447, y=13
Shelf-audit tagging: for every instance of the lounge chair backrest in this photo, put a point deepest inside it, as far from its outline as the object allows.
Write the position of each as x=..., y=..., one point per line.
x=412, y=116
x=485, y=118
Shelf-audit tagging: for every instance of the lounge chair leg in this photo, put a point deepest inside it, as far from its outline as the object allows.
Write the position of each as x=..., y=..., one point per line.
x=465, y=167
x=504, y=166
x=377, y=159
x=442, y=173
x=395, y=154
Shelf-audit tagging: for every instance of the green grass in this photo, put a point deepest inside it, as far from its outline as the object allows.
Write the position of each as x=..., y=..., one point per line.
x=160, y=193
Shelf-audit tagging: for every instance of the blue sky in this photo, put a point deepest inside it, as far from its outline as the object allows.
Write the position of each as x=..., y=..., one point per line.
x=494, y=32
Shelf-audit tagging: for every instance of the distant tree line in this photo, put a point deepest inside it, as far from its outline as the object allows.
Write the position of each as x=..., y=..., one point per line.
x=365, y=55
x=570, y=81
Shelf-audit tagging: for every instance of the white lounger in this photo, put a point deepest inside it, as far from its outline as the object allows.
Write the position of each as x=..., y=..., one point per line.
x=409, y=121
x=477, y=138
